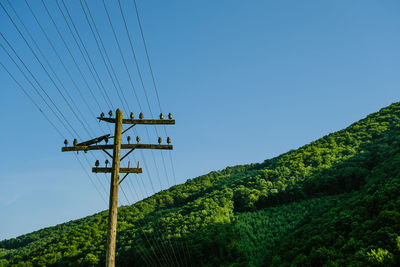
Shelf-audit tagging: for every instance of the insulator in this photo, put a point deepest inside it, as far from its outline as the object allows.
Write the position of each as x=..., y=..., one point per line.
x=75, y=142
x=85, y=151
x=170, y=116
x=110, y=113
x=102, y=115
x=128, y=138
x=132, y=115
x=106, y=162
x=106, y=140
x=141, y=116
x=169, y=140
x=65, y=142
x=159, y=140
x=97, y=163
x=161, y=116
x=137, y=139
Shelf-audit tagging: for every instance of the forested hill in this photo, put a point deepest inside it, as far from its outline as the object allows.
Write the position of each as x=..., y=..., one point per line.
x=333, y=202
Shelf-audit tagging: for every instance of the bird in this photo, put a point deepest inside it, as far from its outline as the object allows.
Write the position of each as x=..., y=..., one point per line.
x=102, y=115
x=161, y=116
x=132, y=115
x=170, y=116
x=97, y=163
x=141, y=116
x=66, y=142
x=75, y=142
x=169, y=140
x=110, y=113
x=106, y=162
x=128, y=138
x=137, y=139
x=159, y=140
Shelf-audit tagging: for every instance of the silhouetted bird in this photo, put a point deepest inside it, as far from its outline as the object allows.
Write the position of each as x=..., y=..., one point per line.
x=97, y=163
x=66, y=142
x=132, y=115
x=75, y=142
x=128, y=138
x=161, y=116
x=159, y=140
x=110, y=113
x=137, y=139
x=169, y=140
x=170, y=116
x=141, y=116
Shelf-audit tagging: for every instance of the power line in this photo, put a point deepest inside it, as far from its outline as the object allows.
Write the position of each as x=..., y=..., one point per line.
x=40, y=86
x=90, y=179
x=43, y=67
x=147, y=53
x=99, y=86
x=32, y=100
x=154, y=84
x=152, y=74
x=95, y=78
x=141, y=80
x=109, y=62
x=83, y=77
x=120, y=52
x=62, y=63
x=47, y=118
x=141, y=228
x=102, y=56
x=52, y=69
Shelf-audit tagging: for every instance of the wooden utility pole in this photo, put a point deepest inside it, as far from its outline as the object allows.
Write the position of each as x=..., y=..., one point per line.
x=115, y=169
x=113, y=209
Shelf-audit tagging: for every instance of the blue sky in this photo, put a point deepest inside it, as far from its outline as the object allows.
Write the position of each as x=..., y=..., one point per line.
x=245, y=81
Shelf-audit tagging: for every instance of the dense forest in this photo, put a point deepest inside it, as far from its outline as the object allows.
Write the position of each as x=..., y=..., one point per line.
x=333, y=202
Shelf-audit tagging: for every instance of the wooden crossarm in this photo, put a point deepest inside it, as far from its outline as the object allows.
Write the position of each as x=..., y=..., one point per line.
x=124, y=146
x=121, y=170
x=135, y=121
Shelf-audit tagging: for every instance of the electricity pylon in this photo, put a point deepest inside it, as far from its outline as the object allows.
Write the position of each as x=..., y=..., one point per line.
x=115, y=169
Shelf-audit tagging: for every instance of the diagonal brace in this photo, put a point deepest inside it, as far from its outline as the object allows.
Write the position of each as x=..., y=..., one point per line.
x=128, y=128
x=107, y=153
x=123, y=178
x=127, y=154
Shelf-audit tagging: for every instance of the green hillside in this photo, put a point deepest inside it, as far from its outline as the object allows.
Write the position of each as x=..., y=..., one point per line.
x=333, y=202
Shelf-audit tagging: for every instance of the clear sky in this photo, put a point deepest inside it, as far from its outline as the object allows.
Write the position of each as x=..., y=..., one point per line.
x=245, y=81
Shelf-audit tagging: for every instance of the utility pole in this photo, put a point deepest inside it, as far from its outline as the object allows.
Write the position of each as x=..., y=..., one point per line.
x=115, y=169
x=113, y=205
